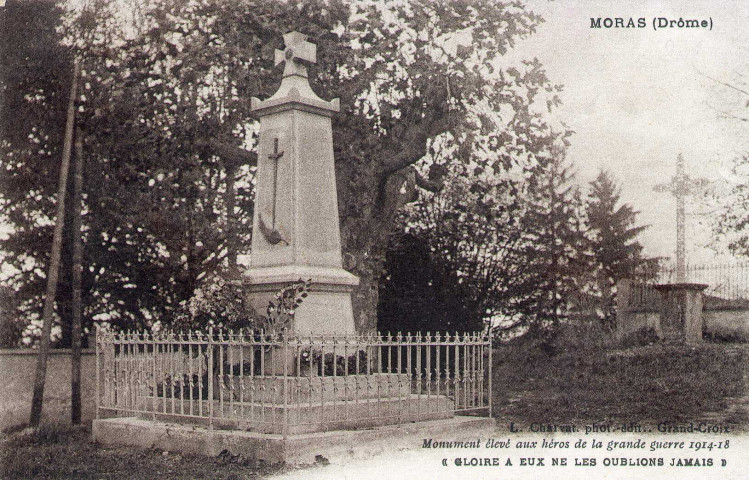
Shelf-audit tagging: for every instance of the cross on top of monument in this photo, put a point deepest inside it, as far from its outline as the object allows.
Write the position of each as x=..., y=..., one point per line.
x=295, y=90
x=297, y=49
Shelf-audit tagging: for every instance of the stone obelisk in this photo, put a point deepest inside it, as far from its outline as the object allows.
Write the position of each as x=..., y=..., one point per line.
x=296, y=234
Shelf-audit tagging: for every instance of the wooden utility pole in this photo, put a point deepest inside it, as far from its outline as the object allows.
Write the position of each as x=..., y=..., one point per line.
x=54, y=260
x=75, y=353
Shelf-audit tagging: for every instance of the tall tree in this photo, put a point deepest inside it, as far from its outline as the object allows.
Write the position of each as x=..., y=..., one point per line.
x=77, y=267
x=611, y=228
x=557, y=250
x=462, y=262
x=732, y=225
x=419, y=92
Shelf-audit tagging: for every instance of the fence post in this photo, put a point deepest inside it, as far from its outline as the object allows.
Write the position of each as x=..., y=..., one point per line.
x=456, y=373
x=285, y=427
x=491, y=392
x=96, y=348
x=209, y=352
x=155, y=392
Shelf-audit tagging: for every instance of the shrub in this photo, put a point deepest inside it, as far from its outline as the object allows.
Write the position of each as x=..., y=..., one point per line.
x=223, y=303
x=639, y=338
x=593, y=335
x=323, y=365
x=44, y=434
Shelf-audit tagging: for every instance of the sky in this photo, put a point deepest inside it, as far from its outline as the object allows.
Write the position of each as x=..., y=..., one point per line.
x=637, y=97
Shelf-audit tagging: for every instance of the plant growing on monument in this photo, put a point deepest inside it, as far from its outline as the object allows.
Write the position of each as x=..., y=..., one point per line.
x=280, y=311
x=216, y=303
x=222, y=303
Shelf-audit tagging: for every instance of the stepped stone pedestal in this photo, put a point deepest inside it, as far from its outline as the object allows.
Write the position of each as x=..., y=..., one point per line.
x=306, y=404
x=336, y=446
x=314, y=389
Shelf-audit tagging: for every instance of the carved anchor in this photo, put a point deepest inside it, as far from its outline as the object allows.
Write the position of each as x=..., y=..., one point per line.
x=272, y=235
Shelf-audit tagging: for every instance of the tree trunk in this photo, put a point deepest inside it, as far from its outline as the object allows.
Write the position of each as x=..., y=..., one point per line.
x=75, y=353
x=365, y=297
x=231, y=235
x=54, y=265
x=365, y=232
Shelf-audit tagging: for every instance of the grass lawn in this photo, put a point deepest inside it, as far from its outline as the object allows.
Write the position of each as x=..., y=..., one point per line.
x=535, y=382
x=65, y=452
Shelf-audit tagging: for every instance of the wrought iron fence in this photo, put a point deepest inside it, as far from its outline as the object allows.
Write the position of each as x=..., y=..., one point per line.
x=727, y=286
x=273, y=383
x=640, y=296
x=724, y=281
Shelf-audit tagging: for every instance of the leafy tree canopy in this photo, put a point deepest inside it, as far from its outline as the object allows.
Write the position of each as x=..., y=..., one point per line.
x=732, y=226
x=169, y=137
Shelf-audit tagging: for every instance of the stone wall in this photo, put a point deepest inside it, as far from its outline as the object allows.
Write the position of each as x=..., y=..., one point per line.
x=724, y=323
x=639, y=306
x=17, y=367
x=727, y=323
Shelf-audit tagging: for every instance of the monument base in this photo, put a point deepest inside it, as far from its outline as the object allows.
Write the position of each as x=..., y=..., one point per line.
x=335, y=446
x=326, y=310
x=681, y=312
x=305, y=404
x=315, y=417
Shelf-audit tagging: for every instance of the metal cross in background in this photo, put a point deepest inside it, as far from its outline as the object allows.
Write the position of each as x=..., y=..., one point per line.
x=681, y=186
x=275, y=156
